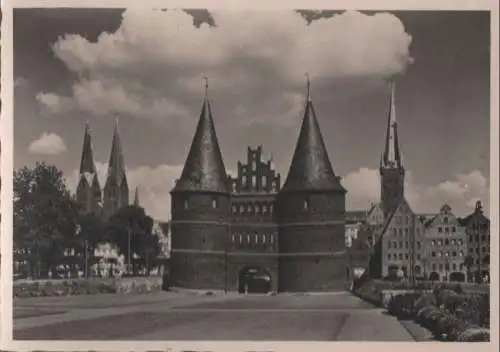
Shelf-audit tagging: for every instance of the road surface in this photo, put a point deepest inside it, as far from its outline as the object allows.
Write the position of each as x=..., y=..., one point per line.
x=185, y=316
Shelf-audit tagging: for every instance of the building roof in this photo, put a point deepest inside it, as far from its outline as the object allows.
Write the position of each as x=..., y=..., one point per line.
x=311, y=168
x=204, y=169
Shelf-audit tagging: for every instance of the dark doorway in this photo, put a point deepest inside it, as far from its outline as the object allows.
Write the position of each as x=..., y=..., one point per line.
x=457, y=276
x=254, y=280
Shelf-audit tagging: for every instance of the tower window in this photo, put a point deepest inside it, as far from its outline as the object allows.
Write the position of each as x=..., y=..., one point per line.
x=254, y=181
x=244, y=180
x=264, y=181
x=254, y=165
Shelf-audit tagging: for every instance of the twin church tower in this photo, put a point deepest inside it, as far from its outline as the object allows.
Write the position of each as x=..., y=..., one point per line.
x=225, y=229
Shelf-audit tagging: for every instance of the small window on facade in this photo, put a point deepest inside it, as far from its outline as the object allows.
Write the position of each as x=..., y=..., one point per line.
x=271, y=208
x=440, y=229
x=433, y=254
x=242, y=209
x=306, y=204
x=388, y=257
x=248, y=238
x=389, y=245
x=275, y=186
x=400, y=232
x=453, y=229
x=400, y=256
x=244, y=180
x=233, y=238
x=249, y=209
x=257, y=209
x=445, y=220
x=186, y=204
x=271, y=238
x=214, y=203
x=254, y=165
x=264, y=209
x=264, y=181
x=395, y=231
x=406, y=232
x=406, y=256
x=256, y=238
x=447, y=230
x=240, y=238
x=254, y=181
x=454, y=254
x=263, y=238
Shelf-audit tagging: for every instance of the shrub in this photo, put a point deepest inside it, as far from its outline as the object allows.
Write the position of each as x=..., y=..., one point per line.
x=474, y=335
x=403, y=305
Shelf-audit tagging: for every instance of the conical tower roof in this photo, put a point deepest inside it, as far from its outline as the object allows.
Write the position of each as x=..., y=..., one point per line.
x=311, y=168
x=116, y=164
x=204, y=169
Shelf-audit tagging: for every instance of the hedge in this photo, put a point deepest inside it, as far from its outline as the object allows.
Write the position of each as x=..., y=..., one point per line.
x=50, y=288
x=447, y=311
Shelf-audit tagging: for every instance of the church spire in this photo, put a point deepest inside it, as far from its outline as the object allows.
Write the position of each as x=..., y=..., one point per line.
x=116, y=165
x=136, y=197
x=311, y=168
x=204, y=168
x=392, y=157
x=87, y=165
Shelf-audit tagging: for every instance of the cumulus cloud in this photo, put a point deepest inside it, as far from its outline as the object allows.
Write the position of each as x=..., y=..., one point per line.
x=48, y=144
x=461, y=193
x=153, y=64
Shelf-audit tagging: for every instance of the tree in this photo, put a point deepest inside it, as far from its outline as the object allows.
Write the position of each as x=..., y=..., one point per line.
x=90, y=234
x=130, y=229
x=468, y=262
x=45, y=216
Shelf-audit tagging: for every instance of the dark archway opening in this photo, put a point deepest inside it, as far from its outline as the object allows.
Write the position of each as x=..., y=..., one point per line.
x=457, y=276
x=434, y=276
x=254, y=280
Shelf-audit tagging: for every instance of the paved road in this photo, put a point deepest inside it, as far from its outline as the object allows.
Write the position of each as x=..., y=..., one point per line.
x=183, y=316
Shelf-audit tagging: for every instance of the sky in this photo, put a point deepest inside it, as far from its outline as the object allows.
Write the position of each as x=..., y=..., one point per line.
x=146, y=67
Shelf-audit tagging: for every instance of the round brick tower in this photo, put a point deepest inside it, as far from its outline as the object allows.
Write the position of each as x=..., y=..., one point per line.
x=311, y=207
x=201, y=212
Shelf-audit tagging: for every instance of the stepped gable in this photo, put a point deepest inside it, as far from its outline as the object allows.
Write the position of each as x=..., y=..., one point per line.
x=311, y=168
x=204, y=169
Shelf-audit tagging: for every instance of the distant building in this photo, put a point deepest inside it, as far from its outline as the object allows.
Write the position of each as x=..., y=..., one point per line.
x=446, y=247
x=477, y=227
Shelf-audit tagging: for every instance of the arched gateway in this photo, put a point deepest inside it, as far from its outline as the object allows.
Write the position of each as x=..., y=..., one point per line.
x=254, y=280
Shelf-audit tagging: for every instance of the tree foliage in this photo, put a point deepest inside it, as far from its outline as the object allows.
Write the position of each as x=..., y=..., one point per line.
x=45, y=215
x=131, y=228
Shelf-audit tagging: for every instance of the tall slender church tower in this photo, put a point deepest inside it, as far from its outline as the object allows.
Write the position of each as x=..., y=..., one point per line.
x=88, y=190
x=311, y=208
x=116, y=191
x=201, y=211
x=392, y=172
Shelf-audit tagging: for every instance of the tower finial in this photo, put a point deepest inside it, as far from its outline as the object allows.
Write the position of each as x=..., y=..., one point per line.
x=308, y=83
x=205, y=85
